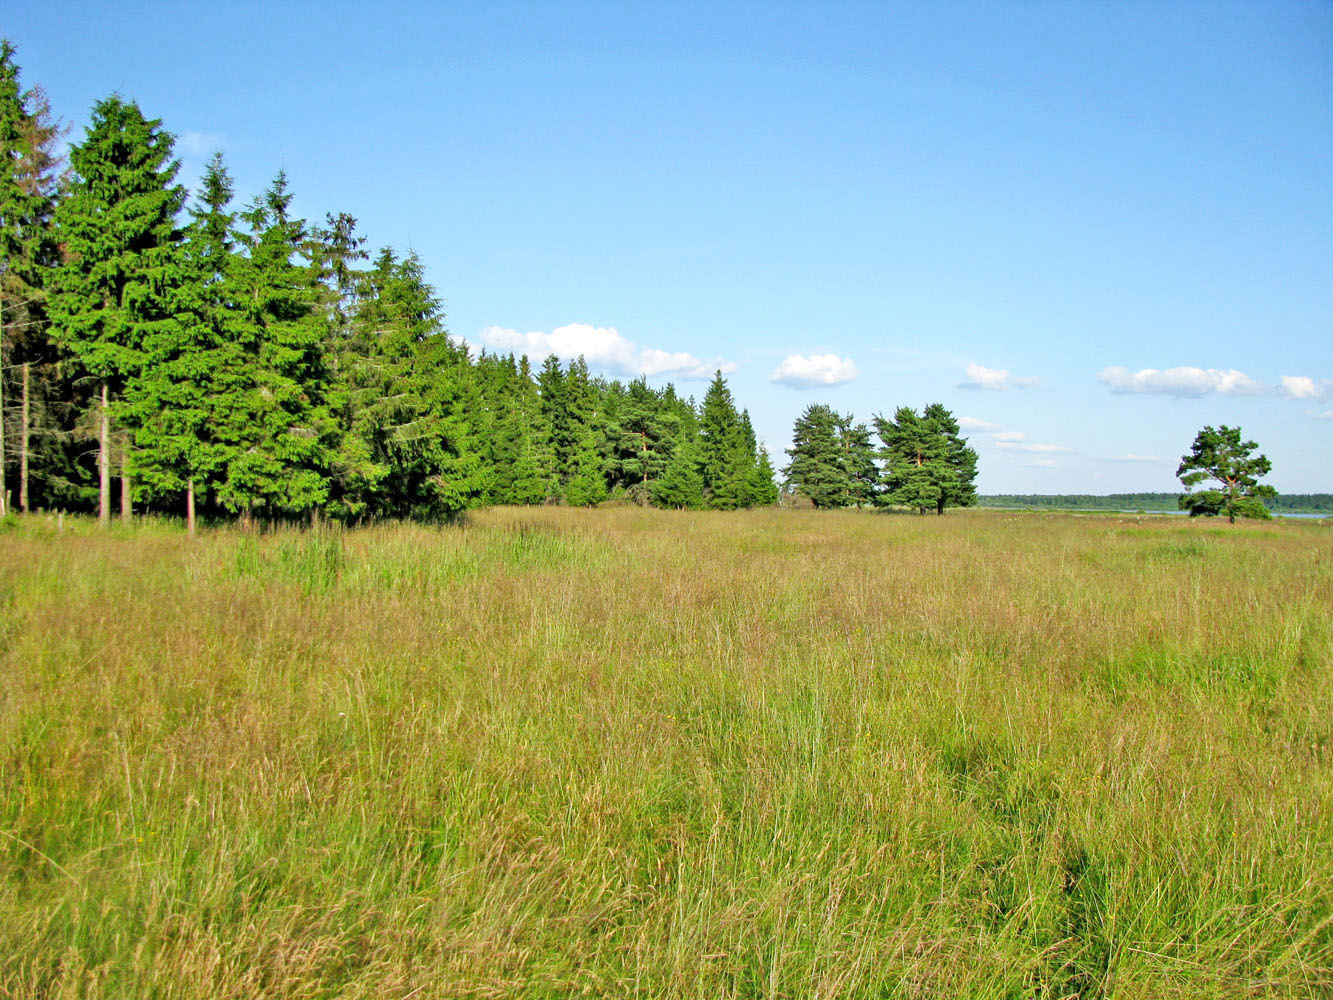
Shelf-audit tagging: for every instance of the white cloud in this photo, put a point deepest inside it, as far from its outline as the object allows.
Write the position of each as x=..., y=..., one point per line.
x=603, y=348
x=1303, y=387
x=1131, y=457
x=200, y=143
x=1012, y=444
x=1010, y=436
x=800, y=371
x=1326, y=415
x=973, y=424
x=1045, y=463
x=981, y=377
x=1184, y=381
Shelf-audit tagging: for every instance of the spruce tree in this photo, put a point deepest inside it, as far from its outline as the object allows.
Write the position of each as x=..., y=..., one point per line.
x=279, y=434
x=118, y=229
x=30, y=175
x=552, y=384
x=727, y=455
x=761, y=487
x=194, y=369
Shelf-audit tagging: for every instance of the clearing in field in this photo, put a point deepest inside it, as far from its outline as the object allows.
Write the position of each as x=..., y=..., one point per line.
x=623, y=753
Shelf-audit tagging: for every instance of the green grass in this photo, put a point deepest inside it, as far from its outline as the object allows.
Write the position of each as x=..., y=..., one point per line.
x=627, y=753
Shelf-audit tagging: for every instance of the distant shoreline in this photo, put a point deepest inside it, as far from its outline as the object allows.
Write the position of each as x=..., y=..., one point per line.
x=1294, y=504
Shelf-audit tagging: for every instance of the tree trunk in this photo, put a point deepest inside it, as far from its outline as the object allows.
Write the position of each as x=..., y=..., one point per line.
x=24, y=434
x=103, y=466
x=125, y=509
x=189, y=507
x=4, y=493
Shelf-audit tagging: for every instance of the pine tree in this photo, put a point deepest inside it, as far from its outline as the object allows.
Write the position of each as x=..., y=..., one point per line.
x=859, y=461
x=818, y=459
x=958, y=488
x=119, y=233
x=638, y=438
x=1221, y=456
x=927, y=464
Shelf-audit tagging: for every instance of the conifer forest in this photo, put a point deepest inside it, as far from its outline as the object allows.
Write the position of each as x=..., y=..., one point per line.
x=190, y=354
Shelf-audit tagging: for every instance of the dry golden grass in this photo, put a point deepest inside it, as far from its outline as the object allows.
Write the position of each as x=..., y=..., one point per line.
x=640, y=753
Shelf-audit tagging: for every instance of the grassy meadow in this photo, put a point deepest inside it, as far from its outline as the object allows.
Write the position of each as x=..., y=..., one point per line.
x=634, y=753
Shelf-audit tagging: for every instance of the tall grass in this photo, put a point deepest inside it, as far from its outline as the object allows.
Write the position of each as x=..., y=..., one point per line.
x=651, y=754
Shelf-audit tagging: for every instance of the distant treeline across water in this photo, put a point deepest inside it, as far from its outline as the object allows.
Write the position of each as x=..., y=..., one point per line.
x=1288, y=503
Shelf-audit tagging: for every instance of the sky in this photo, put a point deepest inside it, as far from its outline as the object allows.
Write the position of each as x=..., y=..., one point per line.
x=1088, y=229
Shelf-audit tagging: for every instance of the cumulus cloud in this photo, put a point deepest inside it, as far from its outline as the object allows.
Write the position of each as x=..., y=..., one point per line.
x=1184, y=381
x=973, y=424
x=981, y=377
x=800, y=371
x=604, y=348
x=1303, y=387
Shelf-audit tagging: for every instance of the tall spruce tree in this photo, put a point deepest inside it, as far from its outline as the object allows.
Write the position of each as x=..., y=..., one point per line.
x=761, y=487
x=279, y=436
x=30, y=175
x=118, y=228
x=533, y=477
x=728, y=456
x=194, y=369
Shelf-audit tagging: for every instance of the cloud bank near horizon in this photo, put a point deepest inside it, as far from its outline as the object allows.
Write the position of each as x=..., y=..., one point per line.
x=604, y=348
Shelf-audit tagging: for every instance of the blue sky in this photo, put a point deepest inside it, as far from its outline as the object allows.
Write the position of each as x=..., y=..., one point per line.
x=1088, y=229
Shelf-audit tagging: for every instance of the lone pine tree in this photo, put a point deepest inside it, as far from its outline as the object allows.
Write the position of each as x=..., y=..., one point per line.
x=1219, y=454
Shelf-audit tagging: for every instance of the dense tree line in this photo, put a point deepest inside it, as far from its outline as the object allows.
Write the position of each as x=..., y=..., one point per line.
x=243, y=362
x=922, y=463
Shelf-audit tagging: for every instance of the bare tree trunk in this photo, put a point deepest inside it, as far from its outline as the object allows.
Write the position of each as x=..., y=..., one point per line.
x=104, y=466
x=25, y=432
x=125, y=508
x=189, y=507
